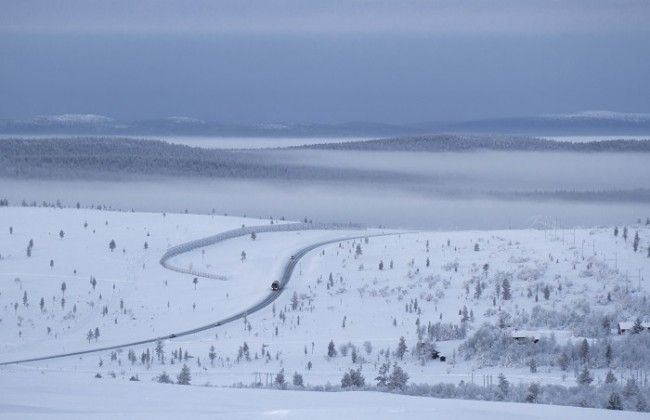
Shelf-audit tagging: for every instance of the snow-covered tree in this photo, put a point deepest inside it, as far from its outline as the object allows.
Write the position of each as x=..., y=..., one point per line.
x=212, y=355
x=353, y=378
x=297, y=380
x=584, y=377
x=614, y=402
x=331, y=349
x=610, y=378
x=160, y=351
x=185, y=376
x=279, y=380
x=398, y=378
x=401, y=348
x=503, y=385
x=505, y=287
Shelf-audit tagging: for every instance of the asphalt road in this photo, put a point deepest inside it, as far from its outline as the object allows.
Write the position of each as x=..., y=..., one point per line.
x=272, y=296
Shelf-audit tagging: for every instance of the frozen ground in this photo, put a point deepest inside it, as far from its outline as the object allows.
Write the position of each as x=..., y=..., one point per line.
x=38, y=396
x=361, y=295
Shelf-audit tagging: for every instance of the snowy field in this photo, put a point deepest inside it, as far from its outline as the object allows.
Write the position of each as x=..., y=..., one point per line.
x=353, y=304
x=36, y=396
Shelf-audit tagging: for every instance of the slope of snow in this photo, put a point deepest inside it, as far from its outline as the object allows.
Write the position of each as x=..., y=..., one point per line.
x=337, y=293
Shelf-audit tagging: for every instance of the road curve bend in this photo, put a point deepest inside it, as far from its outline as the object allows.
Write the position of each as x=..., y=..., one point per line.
x=272, y=296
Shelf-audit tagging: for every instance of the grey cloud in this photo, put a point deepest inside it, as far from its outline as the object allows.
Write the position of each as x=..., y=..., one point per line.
x=328, y=16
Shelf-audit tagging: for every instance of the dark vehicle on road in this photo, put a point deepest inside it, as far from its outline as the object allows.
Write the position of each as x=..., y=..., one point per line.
x=293, y=257
x=275, y=286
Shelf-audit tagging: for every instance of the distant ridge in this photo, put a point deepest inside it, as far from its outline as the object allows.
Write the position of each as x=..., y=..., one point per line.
x=457, y=143
x=579, y=123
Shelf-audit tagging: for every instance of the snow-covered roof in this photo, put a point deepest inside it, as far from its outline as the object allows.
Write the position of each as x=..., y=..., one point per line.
x=627, y=325
x=526, y=334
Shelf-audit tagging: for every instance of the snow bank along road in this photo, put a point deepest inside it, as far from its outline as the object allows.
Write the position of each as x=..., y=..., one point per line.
x=179, y=249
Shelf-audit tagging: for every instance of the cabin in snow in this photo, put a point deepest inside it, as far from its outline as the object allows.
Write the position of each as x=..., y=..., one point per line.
x=525, y=337
x=626, y=326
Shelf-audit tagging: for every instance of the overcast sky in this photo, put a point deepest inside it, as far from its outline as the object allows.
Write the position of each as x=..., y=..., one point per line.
x=323, y=61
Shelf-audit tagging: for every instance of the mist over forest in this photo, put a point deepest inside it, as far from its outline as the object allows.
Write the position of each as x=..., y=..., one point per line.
x=434, y=182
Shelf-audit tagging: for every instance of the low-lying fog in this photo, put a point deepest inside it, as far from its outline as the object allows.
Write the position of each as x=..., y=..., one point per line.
x=457, y=190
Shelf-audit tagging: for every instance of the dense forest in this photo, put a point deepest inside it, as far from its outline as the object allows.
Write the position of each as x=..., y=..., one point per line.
x=457, y=143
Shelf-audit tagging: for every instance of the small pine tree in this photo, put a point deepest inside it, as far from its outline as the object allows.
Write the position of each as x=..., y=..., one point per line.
x=616, y=231
x=297, y=380
x=184, y=377
x=585, y=378
x=401, y=348
x=614, y=402
x=164, y=378
x=279, y=380
x=563, y=361
x=610, y=378
x=533, y=393
x=331, y=349
x=212, y=355
x=294, y=301
x=253, y=236
x=503, y=385
x=609, y=354
x=382, y=375
x=637, y=327
x=61, y=234
x=398, y=378
x=635, y=244
x=112, y=245
x=584, y=351
x=625, y=233
x=505, y=288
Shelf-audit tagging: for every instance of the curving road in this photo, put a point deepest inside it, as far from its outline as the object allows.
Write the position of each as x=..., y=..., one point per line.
x=272, y=296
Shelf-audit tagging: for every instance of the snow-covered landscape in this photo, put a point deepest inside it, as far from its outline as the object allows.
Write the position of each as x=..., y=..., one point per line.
x=367, y=210
x=474, y=309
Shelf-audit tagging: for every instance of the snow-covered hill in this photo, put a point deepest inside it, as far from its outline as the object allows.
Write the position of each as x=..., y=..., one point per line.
x=506, y=309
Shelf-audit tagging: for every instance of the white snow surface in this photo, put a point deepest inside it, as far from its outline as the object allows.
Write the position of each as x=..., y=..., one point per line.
x=136, y=298
x=33, y=395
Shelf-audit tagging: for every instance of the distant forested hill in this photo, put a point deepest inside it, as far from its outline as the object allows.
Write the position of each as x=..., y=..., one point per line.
x=457, y=143
x=100, y=158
